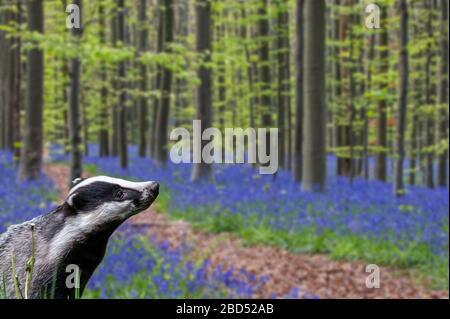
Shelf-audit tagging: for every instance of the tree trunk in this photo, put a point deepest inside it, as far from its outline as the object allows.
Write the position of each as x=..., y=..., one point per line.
x=297, y=167
x=266, y=100
x=429, y=124
x=31, y=154
x=380, y=160
x=10, y=83
x=142, y=106
x=161, y=154
x=75, y=127
x=289, y=119
x=416, y=97
x=251, y=99
x=351, y=103
x=16, y=87
x=122, y=113
x=282, y=21
x=337, y=78
x=203, y=171
x=414, y=147
x=5, y=81
x=222, y=83
x=182, y=99
x=115, y=85
x=104, y=114
x=442, y=122
x=314, y=122
x=158, y=81
x=402, y=100
x=368, y=87
x=344, y=132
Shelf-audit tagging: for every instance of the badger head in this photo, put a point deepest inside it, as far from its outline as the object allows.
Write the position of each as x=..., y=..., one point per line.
x=102, y=200
x=77, y=232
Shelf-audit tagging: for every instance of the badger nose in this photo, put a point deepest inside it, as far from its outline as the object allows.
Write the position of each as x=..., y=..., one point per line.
x=154, y=189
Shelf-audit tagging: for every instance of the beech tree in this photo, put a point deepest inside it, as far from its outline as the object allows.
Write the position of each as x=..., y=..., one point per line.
x=32, y=149
x=314, y=121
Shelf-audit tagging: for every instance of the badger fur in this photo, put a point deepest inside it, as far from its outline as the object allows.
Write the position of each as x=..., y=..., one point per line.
x=75, y=233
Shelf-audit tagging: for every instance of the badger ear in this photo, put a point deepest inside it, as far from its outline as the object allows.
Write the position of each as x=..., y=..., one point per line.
x=71, y=200
x=78, y=201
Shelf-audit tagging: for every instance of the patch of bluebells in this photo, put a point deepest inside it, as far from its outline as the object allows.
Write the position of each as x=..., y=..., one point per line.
x=132, y=268
x=21, y=200
x=363, y=208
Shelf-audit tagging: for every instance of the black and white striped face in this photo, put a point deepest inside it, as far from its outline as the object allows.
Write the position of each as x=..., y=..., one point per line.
x=102, y=199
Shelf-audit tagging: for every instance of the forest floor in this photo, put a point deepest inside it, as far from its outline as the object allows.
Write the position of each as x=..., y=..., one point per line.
x=315, y=274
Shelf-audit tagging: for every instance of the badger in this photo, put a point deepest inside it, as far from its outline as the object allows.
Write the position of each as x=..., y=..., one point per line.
x=37, y=256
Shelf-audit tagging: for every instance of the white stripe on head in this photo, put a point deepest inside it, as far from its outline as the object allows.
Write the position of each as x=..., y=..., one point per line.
x=106, y=179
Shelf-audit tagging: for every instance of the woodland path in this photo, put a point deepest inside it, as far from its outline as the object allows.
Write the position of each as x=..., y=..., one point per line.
x=315, y=274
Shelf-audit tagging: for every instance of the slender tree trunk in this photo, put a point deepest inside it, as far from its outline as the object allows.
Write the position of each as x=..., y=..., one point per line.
x=264, y=60
x=416, y=97
x=84, y=119
x=351, y=101
x=142, y=106
x=182, y=100
x=289, y=118
x=368, y=87
x=344, y=130
x=122, y=113
x=429, y=124
x=115, y=85
x=314, y=122
x=282, y=20
x=158, y=80
x=203, y=171
x=15, y=86
x=442, y=122
x=380, y=160
x=9, y=127
x=414, y=147
x=161, y=154
x=5, y=66
x=222, y=84
x=31, y=155
x=9, y=95
x=75, y=127
x=104, y=114
x=297, y=171
x=65, y=89
x=402, y=100
x=251, y=99
x=337, y=79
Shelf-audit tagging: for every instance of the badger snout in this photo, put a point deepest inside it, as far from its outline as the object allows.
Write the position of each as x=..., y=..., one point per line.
x=148, y=195
x=151, y=190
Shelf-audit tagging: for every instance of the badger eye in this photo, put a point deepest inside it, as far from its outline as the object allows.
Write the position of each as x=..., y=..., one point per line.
x=119, y=194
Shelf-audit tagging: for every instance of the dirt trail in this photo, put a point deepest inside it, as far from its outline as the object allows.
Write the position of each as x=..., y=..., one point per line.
x=315, y=274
